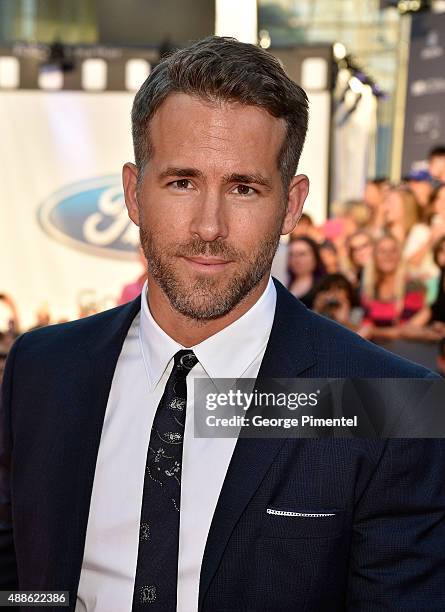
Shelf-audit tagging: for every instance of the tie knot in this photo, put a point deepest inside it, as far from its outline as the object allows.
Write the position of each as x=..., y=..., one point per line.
x=185, y=360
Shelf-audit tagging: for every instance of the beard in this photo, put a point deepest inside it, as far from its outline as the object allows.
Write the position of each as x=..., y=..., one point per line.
x=205, y=298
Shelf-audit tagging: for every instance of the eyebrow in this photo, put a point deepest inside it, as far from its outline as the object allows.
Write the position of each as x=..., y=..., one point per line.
x=255, y=178
x=184, y=172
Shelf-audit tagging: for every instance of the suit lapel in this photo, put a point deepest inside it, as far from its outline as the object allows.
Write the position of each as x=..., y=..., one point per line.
x=288, y=354
x=94, y=378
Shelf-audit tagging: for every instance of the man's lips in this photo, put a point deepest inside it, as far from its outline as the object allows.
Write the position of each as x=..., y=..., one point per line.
x=207, y=264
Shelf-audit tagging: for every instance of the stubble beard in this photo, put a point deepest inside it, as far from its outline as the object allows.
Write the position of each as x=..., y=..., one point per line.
x=207, y=298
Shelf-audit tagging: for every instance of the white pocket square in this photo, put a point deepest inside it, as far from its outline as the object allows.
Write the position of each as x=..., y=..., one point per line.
x=300, y=514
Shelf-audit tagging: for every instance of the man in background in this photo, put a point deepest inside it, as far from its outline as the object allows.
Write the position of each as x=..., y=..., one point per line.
x=436, y=161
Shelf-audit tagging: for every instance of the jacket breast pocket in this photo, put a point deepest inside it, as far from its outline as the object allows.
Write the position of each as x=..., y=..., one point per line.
x=302, y=523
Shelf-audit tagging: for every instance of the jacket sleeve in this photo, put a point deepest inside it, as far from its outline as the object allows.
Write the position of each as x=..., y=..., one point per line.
x=397, y=557
x=8, y=568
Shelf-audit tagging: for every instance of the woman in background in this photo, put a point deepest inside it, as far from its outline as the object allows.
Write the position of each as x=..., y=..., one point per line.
x=429, y=323
x=437, y=314
x=359, y=248
x=305, y=268
x=329, y=257
x=389, y=297
x=436, y=210
x=402, y=220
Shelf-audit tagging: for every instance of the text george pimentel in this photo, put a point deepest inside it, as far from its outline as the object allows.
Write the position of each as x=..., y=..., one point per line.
x=285, y=423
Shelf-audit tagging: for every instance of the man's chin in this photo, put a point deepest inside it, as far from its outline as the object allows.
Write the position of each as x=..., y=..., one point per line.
x=205, y=302
x=206, y=299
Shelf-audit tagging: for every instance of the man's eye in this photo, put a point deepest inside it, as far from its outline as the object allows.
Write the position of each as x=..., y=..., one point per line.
x=244, y=190
x=182, y=184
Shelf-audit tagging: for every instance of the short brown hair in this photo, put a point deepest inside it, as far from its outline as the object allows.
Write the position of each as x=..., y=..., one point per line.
x=224, y=69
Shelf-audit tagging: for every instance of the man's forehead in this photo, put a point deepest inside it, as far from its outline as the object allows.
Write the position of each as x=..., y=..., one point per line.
x=190, y=133
x=201, y=112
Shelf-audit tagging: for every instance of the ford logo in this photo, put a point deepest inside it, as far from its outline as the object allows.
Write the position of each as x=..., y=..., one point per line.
x=91, y=216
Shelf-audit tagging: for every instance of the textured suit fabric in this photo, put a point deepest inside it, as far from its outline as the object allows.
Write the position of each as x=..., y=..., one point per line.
x=383, y=549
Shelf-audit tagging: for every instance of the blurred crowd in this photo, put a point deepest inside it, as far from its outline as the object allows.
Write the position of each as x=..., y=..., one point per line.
x=377, y=265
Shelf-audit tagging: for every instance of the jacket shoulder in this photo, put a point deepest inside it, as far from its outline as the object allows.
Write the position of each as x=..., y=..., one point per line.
x=70, y=336
x=343, y=349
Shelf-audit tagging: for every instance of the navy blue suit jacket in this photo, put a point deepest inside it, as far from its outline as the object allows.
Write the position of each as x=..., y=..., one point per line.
x=383, y=550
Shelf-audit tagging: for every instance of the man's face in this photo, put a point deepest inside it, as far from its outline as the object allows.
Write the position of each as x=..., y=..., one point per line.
x=422, y=190
x=437, y=167
x=210, y=206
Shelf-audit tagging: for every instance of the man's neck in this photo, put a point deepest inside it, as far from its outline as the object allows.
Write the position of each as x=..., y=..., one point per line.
x=190, y=332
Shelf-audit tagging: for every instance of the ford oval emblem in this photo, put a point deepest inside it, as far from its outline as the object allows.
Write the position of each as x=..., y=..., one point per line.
x=91, y=216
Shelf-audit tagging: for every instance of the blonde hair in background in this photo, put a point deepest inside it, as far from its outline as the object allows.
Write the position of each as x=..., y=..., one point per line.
x=359, y=212
x=372, y=277
x=410, y=207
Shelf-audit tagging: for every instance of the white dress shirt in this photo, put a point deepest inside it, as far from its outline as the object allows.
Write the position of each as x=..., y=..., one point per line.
x=144, y=365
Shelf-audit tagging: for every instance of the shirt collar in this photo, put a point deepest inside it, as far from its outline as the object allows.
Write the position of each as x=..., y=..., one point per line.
x=226, y=354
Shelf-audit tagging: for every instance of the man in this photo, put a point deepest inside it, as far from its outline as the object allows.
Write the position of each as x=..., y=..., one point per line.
x=419, y=182
x=329, y=524
x=436, y=164
x=334, y=297
x=374, y=191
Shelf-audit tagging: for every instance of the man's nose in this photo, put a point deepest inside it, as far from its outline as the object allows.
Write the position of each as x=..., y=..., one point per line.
x=209, y=221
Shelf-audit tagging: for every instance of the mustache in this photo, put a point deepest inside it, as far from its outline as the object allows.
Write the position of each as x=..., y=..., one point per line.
x=197, y=247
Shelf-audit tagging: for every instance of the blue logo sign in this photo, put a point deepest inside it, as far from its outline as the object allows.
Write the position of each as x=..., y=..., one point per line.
x=91, y=216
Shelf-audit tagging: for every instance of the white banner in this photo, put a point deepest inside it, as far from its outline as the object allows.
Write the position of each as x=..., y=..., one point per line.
x=354, y=144
x=315, y=157
x=65, y=238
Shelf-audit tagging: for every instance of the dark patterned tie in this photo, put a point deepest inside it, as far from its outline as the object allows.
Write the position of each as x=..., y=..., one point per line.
x=157, y=567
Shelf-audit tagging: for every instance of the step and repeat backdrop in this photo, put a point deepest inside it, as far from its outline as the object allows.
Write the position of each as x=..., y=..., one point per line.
x=425, y=101
x=65, y=237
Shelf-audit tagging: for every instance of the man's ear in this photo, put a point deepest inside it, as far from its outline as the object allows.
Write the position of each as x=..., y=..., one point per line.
x=129, y=180
x=296, y=196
